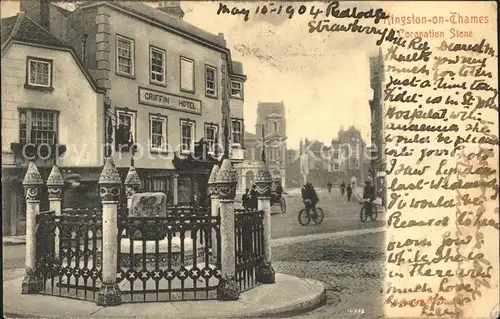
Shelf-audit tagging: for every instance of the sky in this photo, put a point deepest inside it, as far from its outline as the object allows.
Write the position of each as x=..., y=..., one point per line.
x=322, y=78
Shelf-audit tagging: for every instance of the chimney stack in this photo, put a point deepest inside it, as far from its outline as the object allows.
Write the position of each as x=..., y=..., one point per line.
x=38, y=11
x=172, y=8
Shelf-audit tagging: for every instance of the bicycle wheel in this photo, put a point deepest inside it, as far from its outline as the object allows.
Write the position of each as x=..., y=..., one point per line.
x=362, y=214
x=283, y=205
x=304, y=217
x=374, y=214
x=320, y=215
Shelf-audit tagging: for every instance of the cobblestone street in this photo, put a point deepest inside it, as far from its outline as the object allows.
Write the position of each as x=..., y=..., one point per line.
x=352, y=269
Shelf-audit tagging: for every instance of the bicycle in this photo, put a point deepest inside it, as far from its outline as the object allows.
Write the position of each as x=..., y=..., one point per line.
x=281, y=202
x=305, y=215
x=362, y=214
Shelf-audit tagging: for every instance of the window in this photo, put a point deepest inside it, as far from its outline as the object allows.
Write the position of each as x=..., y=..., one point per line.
x=125, y=133
x=336, y=166
x=156, y=184
x=158, y=133
x=38, y=127
x=39, y=72
x=124, y=56
x=157, y=65
x=236, y=89
x=210, y=81
x=187, y=75
x=237, y=131
x=211, y=136
x=336, y=155
x=187, y=136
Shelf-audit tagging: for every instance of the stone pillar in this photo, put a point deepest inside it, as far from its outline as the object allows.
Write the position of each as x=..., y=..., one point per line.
x=214, y=207
x=263, y=182
x=212, y=190
x=109, y=189
x=55, y=184
x=243, y=181
x=226, y=181
x=32, y=189
x=132, y=183
x=176, y=189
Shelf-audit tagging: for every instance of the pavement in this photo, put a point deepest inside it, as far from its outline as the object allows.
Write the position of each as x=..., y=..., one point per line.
x=290, y=296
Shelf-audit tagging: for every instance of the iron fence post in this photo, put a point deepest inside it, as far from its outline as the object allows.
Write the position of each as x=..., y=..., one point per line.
x=225, y=187
x=263, y=182
x=109, y=190
x=32, y=190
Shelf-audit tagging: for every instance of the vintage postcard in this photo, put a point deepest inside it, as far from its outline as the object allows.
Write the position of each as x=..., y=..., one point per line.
x=250, y=159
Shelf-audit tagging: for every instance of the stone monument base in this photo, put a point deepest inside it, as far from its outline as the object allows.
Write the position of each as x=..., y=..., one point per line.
x=134, y=258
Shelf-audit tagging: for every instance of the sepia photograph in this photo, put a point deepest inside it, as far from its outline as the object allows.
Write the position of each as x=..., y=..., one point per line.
x=249, y=159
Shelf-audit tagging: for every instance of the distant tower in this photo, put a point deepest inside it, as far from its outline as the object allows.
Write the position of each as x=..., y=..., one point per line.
x=172, y=8
x=272, y=118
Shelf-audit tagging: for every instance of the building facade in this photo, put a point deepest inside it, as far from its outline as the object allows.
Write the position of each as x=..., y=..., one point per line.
x=378, y=164
x=167, y=85
x=271, y=137
x=52, y=109
x=156, y=89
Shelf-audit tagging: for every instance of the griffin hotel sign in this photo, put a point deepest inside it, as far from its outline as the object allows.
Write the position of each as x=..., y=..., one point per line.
x=169, y=101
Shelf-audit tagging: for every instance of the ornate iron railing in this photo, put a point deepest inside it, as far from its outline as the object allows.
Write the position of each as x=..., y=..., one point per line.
x=68, y=249
x=249, y=244
x=161, y=259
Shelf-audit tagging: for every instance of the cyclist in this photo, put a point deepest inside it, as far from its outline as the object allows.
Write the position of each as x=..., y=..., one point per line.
x=329, y=186
x=309, y=197
x=342, y=188
x=368, y=197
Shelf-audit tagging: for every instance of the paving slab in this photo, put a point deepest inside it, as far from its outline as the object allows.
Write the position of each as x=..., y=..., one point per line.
x=288, y=295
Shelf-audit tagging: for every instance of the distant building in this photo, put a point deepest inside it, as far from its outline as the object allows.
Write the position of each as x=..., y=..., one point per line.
x=353, y=149
x=378, y=163
x=270, y=136
x=342, y=160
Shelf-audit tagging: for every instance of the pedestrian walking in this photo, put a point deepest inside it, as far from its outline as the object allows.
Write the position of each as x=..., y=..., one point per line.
x=329, y=186
x=253, y=197
x=246, y=199
x=368, y=197
x=349, y=192
x=342, y=188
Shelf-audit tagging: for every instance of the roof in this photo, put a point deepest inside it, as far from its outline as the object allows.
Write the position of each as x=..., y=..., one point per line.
x=149, y=12
x=21, y=28
x=27, y=30
x=7, y=25
x=63, y=11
